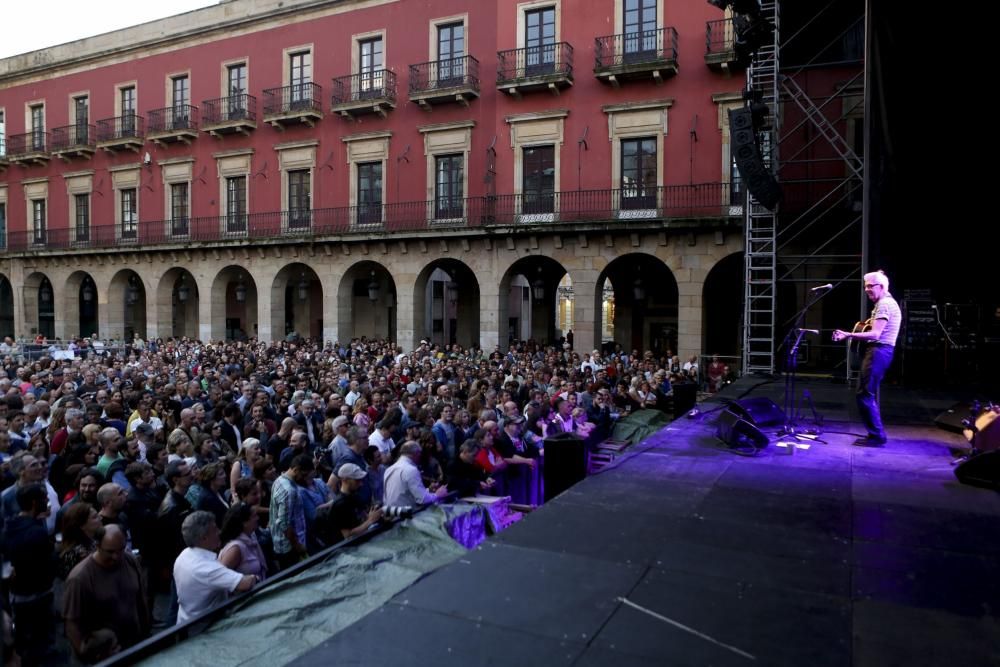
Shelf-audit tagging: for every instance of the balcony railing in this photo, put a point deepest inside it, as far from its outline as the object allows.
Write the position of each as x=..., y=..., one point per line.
x=720, y=44
x=179, y=118
x=230, y=109
x=549, y=60
x=69, y=137
x=609, y=207
x=29, y=143
x=121, y=128
x=444, y=74
x=636, y=51
x=365, y=90
x=297, y=98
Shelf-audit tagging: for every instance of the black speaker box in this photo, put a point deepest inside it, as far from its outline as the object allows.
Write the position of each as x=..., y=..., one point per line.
x=565, y=463
x=760, y=411
x=738, y=433
x=759, y=180
x=981, y=470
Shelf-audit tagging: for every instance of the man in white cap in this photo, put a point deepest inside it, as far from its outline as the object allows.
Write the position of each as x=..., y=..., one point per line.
x=348, y=515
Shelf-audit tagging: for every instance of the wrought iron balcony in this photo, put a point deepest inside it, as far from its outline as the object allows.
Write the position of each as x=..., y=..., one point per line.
x=636, y=55
x=74, y=141
x=29, y=148
x=298, y=103
x=441, y=81
x=174, y=124
x=546, y=67
x=720, y=45
x=236, y=114
x=121, y=133
x=365, y=92
x=674, y=207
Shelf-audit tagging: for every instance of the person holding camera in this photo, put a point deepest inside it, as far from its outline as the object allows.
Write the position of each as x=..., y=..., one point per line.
x=347, y=515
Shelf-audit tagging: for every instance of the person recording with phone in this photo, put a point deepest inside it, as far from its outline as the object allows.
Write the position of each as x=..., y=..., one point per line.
x=880, y=342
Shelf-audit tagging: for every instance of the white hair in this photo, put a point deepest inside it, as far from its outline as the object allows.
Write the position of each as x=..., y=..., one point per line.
x=877, y=278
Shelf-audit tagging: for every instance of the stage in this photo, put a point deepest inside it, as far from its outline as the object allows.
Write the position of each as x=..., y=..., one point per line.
x=684, y=553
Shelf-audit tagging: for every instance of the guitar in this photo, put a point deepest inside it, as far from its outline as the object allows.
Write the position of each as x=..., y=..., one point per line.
x=854, y=346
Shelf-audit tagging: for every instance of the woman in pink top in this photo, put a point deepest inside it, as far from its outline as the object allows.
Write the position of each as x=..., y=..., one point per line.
x=242, y=551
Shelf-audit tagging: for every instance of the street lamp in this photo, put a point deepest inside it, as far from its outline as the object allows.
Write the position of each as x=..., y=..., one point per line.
x=373, y=289
x=45, y=294
x=452, y=292
x=131, y=292
x=303, y=288
x=183, y=292
x=241, y=291
x=88, y=291
x=638, y=290
x=538, y=287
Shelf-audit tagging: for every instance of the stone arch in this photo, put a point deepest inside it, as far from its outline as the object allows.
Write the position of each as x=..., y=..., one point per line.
x=357, y=314
x=81, y=307
x=647, y=320
x=6, y=307
x=177, y=303
x=39, y=297
x=297, y=302
x=127, y=306
x=233, y=301
x=446, y=303
x=538, y=277
x=722, y=307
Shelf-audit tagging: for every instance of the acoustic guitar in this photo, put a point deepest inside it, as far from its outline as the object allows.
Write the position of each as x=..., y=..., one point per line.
x=854, y=346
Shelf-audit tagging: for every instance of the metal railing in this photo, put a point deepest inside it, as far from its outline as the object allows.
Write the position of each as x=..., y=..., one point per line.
x=73, y=136
x=439, y=74
x=374, y=85
x=719, y=37
x=704, y=200
x=129, y=126
x=29, y=142
x=296, y=97
x=518, y=64
x=635, y=48
x=172, y=119
x=229, y=109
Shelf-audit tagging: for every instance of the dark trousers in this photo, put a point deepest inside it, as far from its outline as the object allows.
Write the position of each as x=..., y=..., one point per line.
x=33, y=623
x=287, y=560
x=873, y=369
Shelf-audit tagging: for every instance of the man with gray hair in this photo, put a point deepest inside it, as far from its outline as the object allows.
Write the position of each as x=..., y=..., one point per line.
x=403, y=485
x=879, y=334
x=202, y=581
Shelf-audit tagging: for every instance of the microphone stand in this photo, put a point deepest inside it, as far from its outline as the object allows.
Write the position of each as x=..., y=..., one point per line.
x=788, y=429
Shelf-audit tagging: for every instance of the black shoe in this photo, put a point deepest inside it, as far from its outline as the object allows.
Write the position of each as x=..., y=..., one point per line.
x=870, y=441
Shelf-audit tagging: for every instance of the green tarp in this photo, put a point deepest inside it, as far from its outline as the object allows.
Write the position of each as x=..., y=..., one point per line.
x=639, y=425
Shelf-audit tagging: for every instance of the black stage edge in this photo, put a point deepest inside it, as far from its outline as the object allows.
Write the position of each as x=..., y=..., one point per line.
x=683, y=553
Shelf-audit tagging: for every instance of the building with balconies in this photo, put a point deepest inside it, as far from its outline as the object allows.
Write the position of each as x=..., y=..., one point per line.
x=392, y=189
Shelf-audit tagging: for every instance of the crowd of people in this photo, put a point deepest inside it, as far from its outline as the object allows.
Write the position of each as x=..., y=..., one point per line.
x=197, y=470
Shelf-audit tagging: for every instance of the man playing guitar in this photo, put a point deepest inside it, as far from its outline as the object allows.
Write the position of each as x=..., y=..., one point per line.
x=881, y=341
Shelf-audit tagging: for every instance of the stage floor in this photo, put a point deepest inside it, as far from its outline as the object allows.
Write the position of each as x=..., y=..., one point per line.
x=683, y=553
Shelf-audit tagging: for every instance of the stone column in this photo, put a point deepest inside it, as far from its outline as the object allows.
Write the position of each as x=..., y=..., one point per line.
x=489, y=316
x=406, y=334
x=586, y=310
x=690, y=286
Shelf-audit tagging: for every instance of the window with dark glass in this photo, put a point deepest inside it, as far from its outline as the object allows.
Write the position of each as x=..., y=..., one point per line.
x=179, y=209
x=3, y=135
x=81, y=118
x=539, y=179
x=236, y=90
x=38, y=220
x=299, y=198
x=236, y=204
x=370, y=193
x=181, y=98
x=639, y=173
x=539, y=41
x=451, y=49
x=127, y=111
x=370, y=67
x=3, y=223
x=81, y=205
x=129, y=213
x=735, y=184
x=639, y=19
x=300, y=78
x=448, y=192
x=38, y=127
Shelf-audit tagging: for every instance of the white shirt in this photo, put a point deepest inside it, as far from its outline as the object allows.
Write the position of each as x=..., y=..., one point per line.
x=403, y=486
x=202, y=582
x=352, y=396
x=384, y=445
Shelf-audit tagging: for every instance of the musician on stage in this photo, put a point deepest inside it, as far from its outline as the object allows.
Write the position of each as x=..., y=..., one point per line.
x=880, y=342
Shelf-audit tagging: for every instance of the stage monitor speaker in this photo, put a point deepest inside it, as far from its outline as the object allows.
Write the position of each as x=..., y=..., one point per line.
x=759, y=180
x=738, y=433
x=565, y=463
x=982, y=470
x=759, y=410
x=685, y=397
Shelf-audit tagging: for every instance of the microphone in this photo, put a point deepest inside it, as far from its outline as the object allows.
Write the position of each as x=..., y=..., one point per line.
x=812, y=331
x=822, y=288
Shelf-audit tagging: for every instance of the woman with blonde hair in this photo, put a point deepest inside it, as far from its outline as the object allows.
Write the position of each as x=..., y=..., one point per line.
x=250, y=453
x=361, y=417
